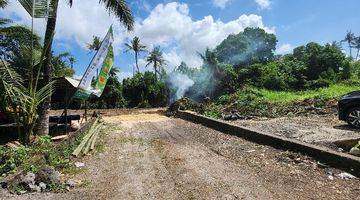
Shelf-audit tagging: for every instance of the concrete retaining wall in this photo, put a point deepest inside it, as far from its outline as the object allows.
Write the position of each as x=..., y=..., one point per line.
x=327, y=156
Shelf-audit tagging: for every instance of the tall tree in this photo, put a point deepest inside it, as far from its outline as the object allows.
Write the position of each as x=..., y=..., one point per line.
x=62, y=64
x=357, y=46
x=253, y=45
x=156, y=59
x=136, y=47
x=15, y=37
x=95, y=45
x=210, y=60
x=3, y=3
x=349, y=38
x=119, y=8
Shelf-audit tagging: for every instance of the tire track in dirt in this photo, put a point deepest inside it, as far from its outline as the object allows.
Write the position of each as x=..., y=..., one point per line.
x=202, y=174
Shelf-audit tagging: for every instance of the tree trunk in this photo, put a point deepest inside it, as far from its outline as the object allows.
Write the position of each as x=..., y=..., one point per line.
x=43, y=126
x=350, y=50
x=155, y=71
x=136, y=60
x=357, y=55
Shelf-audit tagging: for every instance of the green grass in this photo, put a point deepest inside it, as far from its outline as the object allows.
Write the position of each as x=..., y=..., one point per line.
x=284, y=97
x=262, y=102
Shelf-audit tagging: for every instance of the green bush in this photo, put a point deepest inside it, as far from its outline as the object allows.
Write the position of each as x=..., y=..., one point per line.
x=145, y=90
x=11, y=158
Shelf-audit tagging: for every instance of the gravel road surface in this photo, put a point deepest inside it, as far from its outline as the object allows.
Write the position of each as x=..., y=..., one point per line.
x=149, y=156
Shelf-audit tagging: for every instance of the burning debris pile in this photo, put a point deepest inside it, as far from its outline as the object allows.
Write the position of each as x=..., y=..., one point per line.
x=185, y=104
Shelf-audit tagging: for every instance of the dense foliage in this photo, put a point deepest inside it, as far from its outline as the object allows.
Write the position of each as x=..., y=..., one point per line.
x=112, y=96
x=310, y=66
x=15, y=48
x=144, y=90
x=253, y=45
x=248, y=59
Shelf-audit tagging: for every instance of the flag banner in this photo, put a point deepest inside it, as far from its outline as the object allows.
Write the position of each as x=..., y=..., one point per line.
x=39, y=8
x=104, y=73
x=103, y=62
x=96, y=63
x=82, y=94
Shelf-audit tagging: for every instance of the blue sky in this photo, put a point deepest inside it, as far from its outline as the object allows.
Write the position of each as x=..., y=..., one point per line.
x=184, y=27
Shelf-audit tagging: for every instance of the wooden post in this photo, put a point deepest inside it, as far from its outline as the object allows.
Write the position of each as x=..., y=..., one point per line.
x=66, y=107
x=85, y=114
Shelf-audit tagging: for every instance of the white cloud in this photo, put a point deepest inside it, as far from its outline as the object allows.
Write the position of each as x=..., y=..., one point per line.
x=79, y=23
x=171, y=26
x=263, y=4
x=284, y=49
x=221, y=3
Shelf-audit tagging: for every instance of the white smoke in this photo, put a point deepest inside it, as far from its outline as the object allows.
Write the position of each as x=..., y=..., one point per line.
x=180, y=83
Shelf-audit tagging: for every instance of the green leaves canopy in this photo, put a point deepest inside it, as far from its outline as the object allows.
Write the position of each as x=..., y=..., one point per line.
x=253, y=45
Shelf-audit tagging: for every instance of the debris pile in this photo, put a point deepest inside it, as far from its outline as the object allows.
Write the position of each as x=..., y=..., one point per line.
x=41, y=181
x=184, y=104
x=234, y=115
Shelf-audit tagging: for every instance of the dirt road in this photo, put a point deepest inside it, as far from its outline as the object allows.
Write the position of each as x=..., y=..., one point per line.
x=315, y=129
x=148, y=156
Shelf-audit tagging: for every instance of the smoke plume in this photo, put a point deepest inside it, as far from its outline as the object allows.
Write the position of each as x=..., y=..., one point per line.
x=180, y=84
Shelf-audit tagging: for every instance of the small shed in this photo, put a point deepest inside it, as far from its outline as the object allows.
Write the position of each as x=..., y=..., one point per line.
x=65, y=88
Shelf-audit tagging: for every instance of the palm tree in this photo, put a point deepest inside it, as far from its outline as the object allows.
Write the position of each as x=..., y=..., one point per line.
x=72, y=60
x=349, y=38
x=210, y=60
x=119, y=8
x=156, y=59
x=357, y=46
x=136, y=47
x=113, y=72
x=21, y=102
x=95, y=45
x=3, y=3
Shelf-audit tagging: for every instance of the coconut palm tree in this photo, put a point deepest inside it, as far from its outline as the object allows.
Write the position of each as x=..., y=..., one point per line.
x=3, y=3
x=357, y=46
x=118, y=8
x=156, y=59
x=210, y=60
x=95, y=45
x=349, y=38
x=72, y=60
x=22, y=102
x=136, y=47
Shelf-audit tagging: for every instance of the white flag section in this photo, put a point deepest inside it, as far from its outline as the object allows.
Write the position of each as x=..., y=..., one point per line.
x=39, y=8
x=96, y=63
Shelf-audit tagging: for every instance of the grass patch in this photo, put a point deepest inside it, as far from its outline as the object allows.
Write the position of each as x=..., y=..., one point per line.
x=285, y=97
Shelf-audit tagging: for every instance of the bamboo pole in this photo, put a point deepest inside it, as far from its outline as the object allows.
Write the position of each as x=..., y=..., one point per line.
x=88, y=143
x=85, y=140
x=94, y=140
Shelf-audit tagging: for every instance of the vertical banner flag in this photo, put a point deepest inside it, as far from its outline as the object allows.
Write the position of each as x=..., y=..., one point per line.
x=103, y=60
x=104, y=73
x=39, y=8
